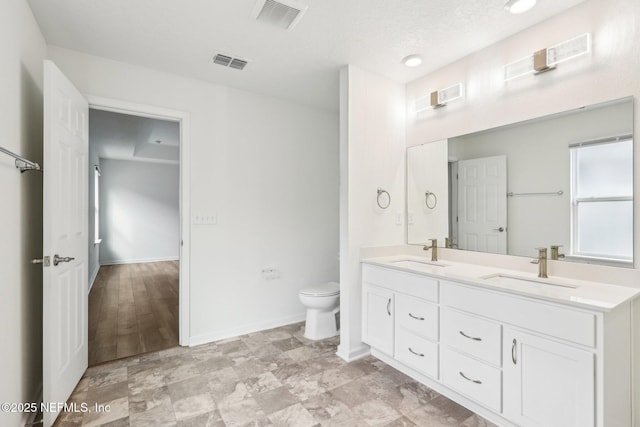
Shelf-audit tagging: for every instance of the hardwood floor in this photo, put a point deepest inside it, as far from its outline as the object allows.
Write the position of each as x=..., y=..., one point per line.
x=133, y=309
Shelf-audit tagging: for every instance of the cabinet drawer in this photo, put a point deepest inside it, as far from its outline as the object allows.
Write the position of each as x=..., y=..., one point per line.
x=474, y=379
x=417, y=316
x=414, y=284
x=472, y=335
x=550, y=319
x=416, y=352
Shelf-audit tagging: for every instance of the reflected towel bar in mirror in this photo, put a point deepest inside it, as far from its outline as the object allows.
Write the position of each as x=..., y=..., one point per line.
x=550, y=193
x=430, y=199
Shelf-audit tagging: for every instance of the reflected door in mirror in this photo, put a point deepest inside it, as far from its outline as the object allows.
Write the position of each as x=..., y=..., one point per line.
x=482, y=204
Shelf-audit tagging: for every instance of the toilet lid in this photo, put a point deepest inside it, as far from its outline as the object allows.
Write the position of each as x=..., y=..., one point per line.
x=324, y=290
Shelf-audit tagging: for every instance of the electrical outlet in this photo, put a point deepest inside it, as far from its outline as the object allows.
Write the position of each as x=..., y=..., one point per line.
x=205, y=219
x=271, y=273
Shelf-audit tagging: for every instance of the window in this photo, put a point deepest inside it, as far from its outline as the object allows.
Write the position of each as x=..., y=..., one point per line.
x=96, y=204
x=602, y=199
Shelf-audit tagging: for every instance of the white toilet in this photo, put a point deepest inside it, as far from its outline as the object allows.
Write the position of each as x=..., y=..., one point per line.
x=323, y=303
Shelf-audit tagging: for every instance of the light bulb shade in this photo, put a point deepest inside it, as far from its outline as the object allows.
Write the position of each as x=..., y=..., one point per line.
x=569, y=49
x=519, y=68
x=546, y=59
x=519, y=6
x=450, y=93
x=439, y=98
x=412, y=60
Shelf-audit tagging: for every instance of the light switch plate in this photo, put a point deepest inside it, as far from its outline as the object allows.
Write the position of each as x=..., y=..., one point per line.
x=205, y=219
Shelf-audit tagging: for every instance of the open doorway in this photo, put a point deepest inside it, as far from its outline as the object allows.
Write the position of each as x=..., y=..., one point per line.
x=134, y=234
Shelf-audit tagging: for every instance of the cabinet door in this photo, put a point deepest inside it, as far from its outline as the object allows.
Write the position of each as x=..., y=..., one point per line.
x=547, y=383
x=377, y=318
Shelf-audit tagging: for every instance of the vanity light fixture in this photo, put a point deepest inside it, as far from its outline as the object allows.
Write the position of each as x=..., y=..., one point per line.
x=546, y=59
x=412, y=60
x=439, y=98
x=519, y=6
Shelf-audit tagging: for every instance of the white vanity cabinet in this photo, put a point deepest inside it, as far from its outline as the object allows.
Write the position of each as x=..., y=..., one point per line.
x=547, y=383
x=416, y=334
x=377, y=320
x=400, y=317
x=515, y=359
x=547, y=369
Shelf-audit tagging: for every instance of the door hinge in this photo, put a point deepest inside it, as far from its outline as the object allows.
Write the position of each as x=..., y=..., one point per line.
x=45, y=261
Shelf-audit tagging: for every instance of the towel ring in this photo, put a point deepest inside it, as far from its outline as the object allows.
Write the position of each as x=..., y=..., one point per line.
x=380, y=193
x=429, y=195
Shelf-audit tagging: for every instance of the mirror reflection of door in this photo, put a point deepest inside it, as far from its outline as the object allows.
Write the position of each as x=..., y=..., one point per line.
x=482, y=204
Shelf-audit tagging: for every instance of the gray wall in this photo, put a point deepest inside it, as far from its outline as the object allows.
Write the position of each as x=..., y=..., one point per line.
x=139, y=212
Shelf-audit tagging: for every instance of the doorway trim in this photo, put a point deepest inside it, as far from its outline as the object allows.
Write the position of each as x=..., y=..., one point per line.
x=153, y=112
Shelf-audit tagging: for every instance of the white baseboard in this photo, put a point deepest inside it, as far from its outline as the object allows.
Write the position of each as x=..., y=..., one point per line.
x=245, y=329
x=93, y=277
x=349, y=355
x=138, y=261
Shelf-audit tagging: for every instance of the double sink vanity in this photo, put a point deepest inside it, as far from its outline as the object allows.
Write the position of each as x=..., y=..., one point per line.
x=517, y=349
x=483, y=329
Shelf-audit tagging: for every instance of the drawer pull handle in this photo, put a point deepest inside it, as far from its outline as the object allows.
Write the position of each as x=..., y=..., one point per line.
x=470, y=337
x=469, y=379
x=388, y=305
x=417, y=354
x=514, y=358
x=416, y=317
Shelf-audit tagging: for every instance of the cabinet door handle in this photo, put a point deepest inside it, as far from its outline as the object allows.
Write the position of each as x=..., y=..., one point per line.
x=417, y=354
x=470, y=337
x=416, y=317
x=513, y=352
x=469, y=379
x=388, y=305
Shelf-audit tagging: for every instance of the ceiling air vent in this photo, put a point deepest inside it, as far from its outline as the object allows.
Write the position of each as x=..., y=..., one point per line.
x=282, y=13
x=238, y=64
x=229, y=61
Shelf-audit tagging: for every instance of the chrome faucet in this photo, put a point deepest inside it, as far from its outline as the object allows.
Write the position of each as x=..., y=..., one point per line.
x=542, y=262
x=555, y=252
x=434, y=249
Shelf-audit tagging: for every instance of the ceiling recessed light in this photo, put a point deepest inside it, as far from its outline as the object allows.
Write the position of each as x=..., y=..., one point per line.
x=412, y=60
x=519, y=6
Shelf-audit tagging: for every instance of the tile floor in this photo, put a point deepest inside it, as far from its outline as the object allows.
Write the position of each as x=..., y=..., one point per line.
x=270, y=378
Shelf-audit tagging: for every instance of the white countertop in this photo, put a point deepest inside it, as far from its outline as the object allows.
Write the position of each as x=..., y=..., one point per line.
x=564, y=290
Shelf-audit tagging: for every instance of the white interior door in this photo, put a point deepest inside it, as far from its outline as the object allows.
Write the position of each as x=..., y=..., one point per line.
x=482, y=204
x=65, y=349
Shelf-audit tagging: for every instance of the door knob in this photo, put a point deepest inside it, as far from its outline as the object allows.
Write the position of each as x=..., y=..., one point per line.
x=501, y=229
x=58, y=259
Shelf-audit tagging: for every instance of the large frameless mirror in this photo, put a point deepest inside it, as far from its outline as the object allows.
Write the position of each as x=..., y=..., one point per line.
x=564, y=181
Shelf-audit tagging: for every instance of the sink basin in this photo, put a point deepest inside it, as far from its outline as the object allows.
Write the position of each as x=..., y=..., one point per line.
x=510, y=280
x=409, y=263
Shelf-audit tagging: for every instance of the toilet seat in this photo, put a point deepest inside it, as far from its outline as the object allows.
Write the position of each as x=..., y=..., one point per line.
x=324, y=290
